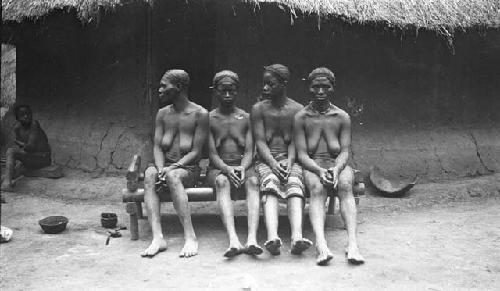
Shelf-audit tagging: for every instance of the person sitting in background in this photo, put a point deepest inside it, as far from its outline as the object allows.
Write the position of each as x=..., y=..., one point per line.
x=32, y=148
x=231, y=155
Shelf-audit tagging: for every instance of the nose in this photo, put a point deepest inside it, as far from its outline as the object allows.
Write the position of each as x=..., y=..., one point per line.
x=227, y=94
x=321, y=91
x=265, y=88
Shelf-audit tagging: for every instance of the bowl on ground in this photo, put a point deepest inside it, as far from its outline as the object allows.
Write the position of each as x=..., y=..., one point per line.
x=108, y=220
x=53, y=224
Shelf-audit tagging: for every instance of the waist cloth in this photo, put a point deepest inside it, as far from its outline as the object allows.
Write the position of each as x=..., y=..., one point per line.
x=189, y=181
x=270, y=184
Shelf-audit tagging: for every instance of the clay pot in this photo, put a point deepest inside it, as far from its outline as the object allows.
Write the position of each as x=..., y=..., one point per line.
x=108, y=220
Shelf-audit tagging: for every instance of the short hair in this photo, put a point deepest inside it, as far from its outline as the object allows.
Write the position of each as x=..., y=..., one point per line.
x=177, y=77
x=322, y=72
x=278, y=70
x=226, y=74
x=17, y=108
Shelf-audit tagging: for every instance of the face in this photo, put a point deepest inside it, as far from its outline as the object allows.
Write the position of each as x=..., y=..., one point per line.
x=167, y=91
x=24, y=116
x=271, y=86
x=226, y=92
x=321, y=89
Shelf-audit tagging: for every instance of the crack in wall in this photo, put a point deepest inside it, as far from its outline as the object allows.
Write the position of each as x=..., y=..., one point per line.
x=111, y=153
x=474, y=140
x=100, y=146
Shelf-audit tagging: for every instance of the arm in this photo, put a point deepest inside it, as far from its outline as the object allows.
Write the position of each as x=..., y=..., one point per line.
x=247, y=159
x=301, y=146
x=199, y=138
x=345, y=143
x=214, y=155
x=34, y=135
x=259, y=136
x=157, y=151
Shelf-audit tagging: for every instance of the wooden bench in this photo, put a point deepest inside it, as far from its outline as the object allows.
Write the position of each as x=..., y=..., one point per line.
x=133, y=194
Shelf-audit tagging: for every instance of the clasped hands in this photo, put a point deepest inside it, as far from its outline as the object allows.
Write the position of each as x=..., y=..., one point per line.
x=282, y=169
x=236, y=175
x=329, y=177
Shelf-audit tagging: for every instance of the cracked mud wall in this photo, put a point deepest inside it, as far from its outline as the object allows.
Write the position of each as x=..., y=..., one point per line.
x=417, y=104
x=86, y=85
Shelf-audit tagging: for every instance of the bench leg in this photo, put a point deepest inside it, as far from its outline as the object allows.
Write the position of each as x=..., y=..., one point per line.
x=139, y=210
x=134, y=223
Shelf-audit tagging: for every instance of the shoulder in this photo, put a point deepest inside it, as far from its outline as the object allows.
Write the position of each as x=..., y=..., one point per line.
x=294, y=105
x=198, y=109
x=213, y=113
x=164, y=111
x=241, y=112
x=257, y=107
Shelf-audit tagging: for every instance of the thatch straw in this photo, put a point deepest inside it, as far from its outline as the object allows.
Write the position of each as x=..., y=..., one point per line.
x=18, y=10
x=440, y=15
x=431, y=14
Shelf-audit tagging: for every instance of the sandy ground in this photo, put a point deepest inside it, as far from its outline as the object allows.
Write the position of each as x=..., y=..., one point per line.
x=441, y=236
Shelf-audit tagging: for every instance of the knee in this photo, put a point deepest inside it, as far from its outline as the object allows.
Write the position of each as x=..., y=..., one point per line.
x=315, y=189
x=252, y=182
x=150, y=176
x=173, y=177
x=221, y=181
x=346, y=179
x=11, y=152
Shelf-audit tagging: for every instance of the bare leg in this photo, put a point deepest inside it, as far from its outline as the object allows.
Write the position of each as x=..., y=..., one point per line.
x=181, y=205
x=252, y=191
x=349, y=213
x=271, y=212
x=223, y=192
x=10, y=163
x=152, y=202
x=299, y=244
x=317, y=216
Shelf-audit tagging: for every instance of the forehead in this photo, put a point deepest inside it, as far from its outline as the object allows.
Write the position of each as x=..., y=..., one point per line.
x=24, y=110
x=166, y=81
x=226, y=84
x=270, y=77
x=321, y=81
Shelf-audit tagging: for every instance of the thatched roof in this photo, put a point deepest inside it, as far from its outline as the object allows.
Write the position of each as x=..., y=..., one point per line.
x=431, y=14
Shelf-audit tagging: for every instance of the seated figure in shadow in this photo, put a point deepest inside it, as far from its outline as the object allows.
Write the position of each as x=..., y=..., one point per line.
x=32, y=148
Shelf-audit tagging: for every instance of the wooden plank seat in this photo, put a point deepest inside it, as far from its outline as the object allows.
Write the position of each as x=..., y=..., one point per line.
x=133, y=194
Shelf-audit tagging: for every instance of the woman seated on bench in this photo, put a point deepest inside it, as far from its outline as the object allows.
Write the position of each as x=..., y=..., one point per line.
x=231, y=153
x=180, y=132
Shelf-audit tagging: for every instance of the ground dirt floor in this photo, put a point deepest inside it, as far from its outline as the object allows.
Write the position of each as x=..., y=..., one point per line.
x=441, y=236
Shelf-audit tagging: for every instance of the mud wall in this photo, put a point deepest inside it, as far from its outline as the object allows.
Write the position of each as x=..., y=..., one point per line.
x=418, y=105
x=86, y=85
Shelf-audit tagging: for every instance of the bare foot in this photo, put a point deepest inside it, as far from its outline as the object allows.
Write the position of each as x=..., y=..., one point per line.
x=324, y=255
x=300, y=245
x=273, y=246
x=354, y=257
x=234, y=249
x=253, y=250
x=190, y=248
x=156, y=246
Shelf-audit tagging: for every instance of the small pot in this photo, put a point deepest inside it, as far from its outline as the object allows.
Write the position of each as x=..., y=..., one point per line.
x=108, y=220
